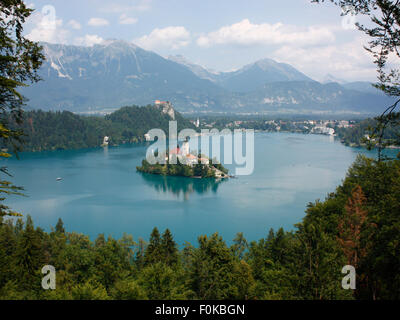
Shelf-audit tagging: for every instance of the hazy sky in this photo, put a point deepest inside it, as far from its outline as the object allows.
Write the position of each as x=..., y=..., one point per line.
x=218, y=34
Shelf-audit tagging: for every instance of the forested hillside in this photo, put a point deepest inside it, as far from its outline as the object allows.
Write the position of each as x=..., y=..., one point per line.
x=358, y=134
x=304, y=264
x=66, y=130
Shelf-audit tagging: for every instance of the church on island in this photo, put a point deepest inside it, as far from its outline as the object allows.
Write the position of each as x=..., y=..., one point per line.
x=184, y=156
x=189, y=164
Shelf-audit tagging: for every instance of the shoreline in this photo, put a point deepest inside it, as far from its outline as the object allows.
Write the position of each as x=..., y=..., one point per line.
x=352, y=145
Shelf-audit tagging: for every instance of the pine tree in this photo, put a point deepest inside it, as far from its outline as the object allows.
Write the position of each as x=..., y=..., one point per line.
x=28, y=256
x=60, y=227
x=140, y=254
x=239, y=246
x=7, y=248
x=153, y=251
x=169, y=249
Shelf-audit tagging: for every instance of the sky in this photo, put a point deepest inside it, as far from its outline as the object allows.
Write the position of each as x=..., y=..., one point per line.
x=220, y=35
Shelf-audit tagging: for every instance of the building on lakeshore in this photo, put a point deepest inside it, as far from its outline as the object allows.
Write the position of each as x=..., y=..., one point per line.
x=323, y=130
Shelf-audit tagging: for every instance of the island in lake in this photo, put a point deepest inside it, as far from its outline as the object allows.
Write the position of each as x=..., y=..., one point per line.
x=181, y=162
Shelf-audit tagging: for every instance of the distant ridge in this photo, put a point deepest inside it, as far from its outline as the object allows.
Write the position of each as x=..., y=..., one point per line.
x=253, y=76
x=115, y=73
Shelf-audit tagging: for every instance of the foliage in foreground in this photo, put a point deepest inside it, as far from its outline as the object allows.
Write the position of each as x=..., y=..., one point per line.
x=20, y=59
x=359, y=224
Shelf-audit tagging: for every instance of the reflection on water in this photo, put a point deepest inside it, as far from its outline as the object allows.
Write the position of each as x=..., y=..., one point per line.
x=105, y=151
x=181, y=185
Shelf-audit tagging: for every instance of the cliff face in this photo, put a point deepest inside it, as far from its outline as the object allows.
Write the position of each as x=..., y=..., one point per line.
x=167, y=108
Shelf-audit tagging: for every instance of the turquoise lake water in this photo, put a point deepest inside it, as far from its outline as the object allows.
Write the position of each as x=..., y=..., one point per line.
x=101, y=192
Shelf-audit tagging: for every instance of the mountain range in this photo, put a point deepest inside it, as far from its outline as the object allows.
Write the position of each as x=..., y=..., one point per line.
x=115, y=73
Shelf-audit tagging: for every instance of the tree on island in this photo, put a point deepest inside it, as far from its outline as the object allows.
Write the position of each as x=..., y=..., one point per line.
x=183, y=170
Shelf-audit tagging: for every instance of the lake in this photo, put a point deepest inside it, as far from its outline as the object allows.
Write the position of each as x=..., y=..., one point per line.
x=101, y=192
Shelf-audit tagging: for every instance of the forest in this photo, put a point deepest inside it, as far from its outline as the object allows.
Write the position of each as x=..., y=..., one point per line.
x=42, y=130
x=358, y=134
x=358, y=224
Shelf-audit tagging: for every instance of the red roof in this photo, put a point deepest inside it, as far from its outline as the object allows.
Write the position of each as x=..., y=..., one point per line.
x=175, y=151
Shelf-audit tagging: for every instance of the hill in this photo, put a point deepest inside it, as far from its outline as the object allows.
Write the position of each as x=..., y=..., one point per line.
x=66, y=130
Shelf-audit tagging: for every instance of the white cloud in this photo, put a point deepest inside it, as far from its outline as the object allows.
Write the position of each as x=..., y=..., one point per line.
x=173, y=37
x=125, y=19
x=349, y=60
x=88, y=40
x=247, y=33
x=74, y=24
x=46, y=28
x=98, y=22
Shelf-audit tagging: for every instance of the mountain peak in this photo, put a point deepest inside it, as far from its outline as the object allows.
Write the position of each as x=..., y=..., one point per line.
x=259, y=73
x=330, y=78
x=265, y=63
x=118, y=43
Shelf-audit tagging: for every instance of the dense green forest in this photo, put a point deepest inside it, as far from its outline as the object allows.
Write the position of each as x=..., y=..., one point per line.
x=357, y=134
x=66, y=130
x=359, y=224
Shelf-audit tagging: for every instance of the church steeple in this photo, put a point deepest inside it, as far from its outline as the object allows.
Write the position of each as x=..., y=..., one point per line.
x=185, y=147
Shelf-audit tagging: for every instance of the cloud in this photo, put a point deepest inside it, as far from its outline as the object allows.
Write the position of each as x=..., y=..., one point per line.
x=46, y=28
x=88, y=40
x=173, y=37
x=74, y=24
x=247, y=34
x=98, y=22
x=50, y=29
x=124, y=19
x=347, y=60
